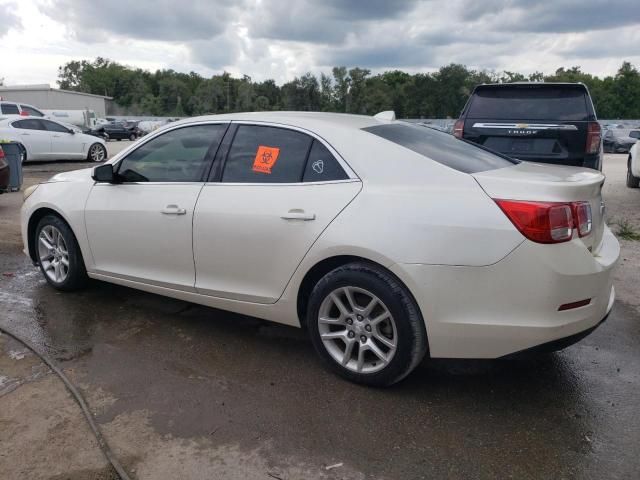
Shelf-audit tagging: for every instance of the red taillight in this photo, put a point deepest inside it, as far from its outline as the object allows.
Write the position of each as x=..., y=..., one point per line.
x=594, y=136
x=458, y=128
x=1, y=153
x=542, y=222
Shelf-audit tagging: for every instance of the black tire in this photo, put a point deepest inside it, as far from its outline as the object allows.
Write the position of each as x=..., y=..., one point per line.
x=119, y=139
x=632, y=182
x=77, y=274
x=104, y=152
x=411, y=334
x=132, y=137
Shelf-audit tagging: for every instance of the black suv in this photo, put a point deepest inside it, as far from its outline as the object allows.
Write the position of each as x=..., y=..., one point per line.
x=539, y=122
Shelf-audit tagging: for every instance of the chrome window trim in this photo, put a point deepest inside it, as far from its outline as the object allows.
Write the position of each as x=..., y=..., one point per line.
x=525, y=126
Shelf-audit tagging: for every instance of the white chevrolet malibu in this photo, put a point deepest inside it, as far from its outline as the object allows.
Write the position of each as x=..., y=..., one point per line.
x=386, y=241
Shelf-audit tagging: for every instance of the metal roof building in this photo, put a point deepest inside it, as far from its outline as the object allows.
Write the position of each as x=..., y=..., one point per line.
x=44, y=97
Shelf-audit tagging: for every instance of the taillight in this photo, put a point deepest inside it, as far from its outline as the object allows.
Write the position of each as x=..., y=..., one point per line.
x=1, y=153
x=584, y=220
x=458, y=128
x=594, y=136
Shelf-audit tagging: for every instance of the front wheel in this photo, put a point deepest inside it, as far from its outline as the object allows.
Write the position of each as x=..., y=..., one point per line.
x=59, y=255
x=132, y=137
x=632, y=182
x=365, y=325
x=97, y=153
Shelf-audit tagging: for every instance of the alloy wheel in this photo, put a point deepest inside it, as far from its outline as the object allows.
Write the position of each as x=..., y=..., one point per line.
x=97, y=153
x=357, y=329
x=53, y=254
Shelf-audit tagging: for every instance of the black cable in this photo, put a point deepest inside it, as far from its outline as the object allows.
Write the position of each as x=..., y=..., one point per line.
x=102, y=443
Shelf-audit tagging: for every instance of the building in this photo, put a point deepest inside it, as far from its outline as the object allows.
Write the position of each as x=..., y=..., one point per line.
x=47, y=98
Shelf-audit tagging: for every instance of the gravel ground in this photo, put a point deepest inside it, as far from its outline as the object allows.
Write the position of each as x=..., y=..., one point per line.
x=183, y=391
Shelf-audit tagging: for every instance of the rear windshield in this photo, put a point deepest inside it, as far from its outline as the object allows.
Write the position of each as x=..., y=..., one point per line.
x=441, y=147
x=529, y=103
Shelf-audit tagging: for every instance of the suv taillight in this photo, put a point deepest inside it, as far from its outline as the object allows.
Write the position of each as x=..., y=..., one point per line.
x=1, y=153
x=594, y=136
x=458, y=128
x=548, y=222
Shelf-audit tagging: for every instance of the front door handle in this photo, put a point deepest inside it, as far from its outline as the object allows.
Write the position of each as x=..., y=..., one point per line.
x=173, y=210
x=297, y=214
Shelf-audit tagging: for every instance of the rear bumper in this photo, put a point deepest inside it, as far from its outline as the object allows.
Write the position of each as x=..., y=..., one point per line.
x=500, y=309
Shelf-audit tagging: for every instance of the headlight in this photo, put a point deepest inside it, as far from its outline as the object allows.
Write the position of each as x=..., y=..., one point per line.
x=29, y=190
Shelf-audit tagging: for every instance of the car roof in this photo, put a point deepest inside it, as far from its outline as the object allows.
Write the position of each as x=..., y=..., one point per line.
x=532, y=84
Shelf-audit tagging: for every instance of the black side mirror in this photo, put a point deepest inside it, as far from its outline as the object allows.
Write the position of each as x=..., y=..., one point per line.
x=71, y=131
x=104, y=173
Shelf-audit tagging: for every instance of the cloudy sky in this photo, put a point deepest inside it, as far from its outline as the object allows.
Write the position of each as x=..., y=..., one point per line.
x=283, y=38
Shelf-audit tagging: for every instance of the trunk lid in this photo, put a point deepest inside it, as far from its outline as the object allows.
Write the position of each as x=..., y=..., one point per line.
x=549, y=183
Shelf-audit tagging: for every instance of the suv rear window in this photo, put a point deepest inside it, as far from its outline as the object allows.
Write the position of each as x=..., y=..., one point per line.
x=529, y=103
x=441, y=147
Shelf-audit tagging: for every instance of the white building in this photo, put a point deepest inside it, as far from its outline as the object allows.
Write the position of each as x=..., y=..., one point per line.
x=47, y=98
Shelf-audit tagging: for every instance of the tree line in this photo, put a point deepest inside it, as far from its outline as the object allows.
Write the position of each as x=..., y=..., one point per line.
x=440, y=94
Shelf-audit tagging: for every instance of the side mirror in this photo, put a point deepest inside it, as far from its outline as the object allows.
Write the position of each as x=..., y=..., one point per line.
x=72, y=132
x=104, y=173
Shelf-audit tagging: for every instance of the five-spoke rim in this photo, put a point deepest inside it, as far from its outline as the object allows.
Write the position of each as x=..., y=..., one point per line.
x=97, y=153
x=357, y=329
x=53, y=253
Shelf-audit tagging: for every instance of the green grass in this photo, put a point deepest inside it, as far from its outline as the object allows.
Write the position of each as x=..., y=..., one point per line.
x=626, y=231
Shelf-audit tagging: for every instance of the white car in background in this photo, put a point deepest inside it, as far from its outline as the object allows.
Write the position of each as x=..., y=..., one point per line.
x=19, y=109
x=633, y=166
x=45, y=139
x=387, y=241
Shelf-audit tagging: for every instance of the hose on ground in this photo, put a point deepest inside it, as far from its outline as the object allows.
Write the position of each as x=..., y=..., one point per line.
x=75, y=393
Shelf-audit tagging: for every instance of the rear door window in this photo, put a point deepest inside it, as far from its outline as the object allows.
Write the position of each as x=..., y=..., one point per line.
x=9, y=109
x=54, y=127
x=29, y=124
x=441, y=147
x=266, y=155
x=529, y=103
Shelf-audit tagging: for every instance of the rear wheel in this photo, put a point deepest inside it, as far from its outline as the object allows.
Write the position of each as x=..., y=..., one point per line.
x=632, y=182
x=132, y=137
x=365, y=325
x=59, y=255
x=97, y=153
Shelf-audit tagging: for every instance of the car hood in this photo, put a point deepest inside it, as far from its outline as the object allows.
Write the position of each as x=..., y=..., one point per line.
x=72, y=176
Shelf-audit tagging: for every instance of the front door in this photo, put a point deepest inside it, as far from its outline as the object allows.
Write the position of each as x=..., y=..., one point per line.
x=64, y=144
x=141, y=228
x=279, y=190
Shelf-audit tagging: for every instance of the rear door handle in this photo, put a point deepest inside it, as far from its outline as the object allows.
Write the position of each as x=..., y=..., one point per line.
x=173, y=210
x=297, y=214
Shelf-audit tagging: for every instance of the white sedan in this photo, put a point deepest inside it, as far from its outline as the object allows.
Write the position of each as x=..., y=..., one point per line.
x=633, y=166
x=45, y=139
x=387, y=241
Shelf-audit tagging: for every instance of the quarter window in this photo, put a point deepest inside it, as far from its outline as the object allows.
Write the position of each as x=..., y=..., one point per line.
x=266, y=155
x=322, y=166
x=180, y=155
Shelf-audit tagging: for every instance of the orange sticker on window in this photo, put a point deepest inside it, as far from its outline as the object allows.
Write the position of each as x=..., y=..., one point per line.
x=265, y=159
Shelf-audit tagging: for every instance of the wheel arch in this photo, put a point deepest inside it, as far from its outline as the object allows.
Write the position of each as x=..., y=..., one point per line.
x=324, y=266
x=34, y=219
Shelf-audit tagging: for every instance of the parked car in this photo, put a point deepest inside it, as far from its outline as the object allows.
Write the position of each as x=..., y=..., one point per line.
x=21, y=109
x=619, y=140
x=5, y=172
x=45, y=139
x=388, y=241
x=115, y=131
x=633, y=166
x=539, y=122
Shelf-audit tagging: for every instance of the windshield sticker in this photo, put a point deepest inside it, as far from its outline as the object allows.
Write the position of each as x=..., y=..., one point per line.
x=265, y=159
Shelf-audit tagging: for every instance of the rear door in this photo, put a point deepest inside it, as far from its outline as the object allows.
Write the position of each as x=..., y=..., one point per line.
x=32, y=133
x=534, y=122
x=257, y=218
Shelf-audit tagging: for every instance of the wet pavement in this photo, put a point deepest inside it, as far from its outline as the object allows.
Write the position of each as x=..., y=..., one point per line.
x=188, y=391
